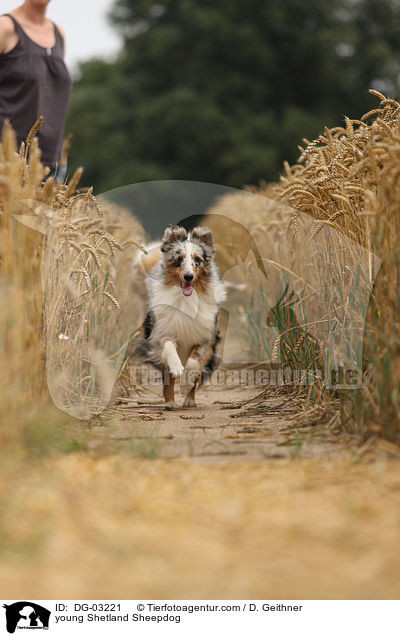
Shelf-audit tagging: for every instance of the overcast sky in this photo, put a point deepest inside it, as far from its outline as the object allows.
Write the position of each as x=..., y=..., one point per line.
x=84, y=21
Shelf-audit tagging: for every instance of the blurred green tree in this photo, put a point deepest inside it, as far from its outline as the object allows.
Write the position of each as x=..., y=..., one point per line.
x=223, y=92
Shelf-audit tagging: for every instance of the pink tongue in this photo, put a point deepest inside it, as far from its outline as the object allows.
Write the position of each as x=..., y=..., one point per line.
x=187, y=288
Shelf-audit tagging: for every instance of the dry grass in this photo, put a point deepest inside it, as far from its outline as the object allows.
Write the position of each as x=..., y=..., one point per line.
x=348, y=179
x=341, y=197
x=60, y=293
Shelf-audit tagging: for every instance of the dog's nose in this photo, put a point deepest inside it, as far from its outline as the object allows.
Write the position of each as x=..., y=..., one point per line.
x=188, y=277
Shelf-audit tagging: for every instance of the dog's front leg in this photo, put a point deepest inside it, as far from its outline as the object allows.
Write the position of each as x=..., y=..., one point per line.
x=171, y=361
x=193, y=370
x=169, y=391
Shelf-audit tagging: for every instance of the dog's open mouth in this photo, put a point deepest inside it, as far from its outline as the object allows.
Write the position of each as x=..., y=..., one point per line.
x=187, y=288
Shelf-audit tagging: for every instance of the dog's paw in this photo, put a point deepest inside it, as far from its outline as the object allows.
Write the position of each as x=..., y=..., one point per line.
x=171, y=405
x=189, y=404
x=192, y=371
x=176, y=369
x=192, y=365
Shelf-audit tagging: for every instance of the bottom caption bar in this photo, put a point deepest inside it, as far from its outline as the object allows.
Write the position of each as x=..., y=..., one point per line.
x=159, y=617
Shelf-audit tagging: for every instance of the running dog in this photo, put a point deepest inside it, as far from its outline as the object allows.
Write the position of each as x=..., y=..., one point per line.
x=181, y=328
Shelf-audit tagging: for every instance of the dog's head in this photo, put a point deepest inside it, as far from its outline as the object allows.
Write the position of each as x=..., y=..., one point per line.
x=187, y=257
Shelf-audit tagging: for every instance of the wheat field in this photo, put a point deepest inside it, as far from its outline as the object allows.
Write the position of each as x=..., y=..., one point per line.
x=342, y=192
x=112, y=524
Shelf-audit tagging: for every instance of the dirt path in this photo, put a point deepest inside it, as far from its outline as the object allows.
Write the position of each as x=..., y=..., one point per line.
x=210, y=503
x=122, y=527
x=221, y=429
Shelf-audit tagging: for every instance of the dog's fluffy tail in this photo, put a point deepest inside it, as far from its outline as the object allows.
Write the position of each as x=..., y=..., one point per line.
x=233, y=287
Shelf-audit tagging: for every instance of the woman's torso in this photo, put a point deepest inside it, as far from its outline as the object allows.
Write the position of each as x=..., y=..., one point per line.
x=34, y=81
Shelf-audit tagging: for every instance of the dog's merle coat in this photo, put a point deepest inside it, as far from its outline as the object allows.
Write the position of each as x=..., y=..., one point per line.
x=181, y=328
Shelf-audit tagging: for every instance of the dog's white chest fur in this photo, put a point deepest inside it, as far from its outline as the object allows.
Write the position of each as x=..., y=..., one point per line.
x=188, y=320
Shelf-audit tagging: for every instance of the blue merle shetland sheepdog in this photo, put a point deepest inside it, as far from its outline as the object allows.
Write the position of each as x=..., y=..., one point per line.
x=181, y=329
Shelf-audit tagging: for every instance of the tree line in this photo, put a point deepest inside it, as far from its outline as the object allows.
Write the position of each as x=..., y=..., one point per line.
x=224, y=92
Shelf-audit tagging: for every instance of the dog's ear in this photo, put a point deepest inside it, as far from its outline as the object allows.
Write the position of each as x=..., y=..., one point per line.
x=171, y=235
x=205, y=236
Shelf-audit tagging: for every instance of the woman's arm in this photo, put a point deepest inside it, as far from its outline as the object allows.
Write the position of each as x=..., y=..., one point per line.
x=8, y=36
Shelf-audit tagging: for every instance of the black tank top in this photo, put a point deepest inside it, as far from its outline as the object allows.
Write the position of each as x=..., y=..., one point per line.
x=34, y=81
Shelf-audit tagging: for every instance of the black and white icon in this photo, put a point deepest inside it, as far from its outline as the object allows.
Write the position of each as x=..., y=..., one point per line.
x=26, y=615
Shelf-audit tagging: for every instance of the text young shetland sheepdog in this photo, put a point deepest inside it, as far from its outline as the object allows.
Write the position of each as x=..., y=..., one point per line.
x=181, y=329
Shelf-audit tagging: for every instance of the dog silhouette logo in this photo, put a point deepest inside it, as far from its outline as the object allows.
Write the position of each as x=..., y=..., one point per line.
x=26, y=615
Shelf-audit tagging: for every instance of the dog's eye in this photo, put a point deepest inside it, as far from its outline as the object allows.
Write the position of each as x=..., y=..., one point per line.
x=177, y=262
x=198, y=260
